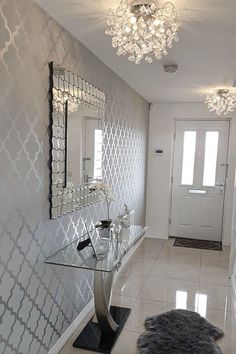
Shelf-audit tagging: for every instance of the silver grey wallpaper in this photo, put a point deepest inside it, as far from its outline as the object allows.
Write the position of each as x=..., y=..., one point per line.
x=38, y=302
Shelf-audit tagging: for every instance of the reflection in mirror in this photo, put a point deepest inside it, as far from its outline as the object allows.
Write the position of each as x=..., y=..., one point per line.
x=84, y=146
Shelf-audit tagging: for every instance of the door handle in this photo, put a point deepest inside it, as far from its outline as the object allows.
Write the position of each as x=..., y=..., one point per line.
x=222, y=187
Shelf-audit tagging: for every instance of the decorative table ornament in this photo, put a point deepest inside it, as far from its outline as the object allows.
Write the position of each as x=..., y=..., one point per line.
x=105, y=228
x=127, y=214
x=106, y=194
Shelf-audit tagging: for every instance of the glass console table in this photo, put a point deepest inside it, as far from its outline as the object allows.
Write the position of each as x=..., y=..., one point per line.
x=101, y=336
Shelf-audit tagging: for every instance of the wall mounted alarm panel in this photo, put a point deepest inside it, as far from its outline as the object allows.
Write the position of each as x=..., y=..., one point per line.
x=158, y=152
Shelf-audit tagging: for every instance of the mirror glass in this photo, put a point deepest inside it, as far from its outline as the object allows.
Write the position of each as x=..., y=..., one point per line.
x=84, y=146
x=77, y=110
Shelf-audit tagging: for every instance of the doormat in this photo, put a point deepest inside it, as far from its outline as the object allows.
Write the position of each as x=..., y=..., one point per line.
x=200, y=244
x=179, y=331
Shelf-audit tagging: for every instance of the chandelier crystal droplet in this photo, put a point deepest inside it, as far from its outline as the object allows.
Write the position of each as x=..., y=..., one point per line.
x=221, y=102
x=143, y=30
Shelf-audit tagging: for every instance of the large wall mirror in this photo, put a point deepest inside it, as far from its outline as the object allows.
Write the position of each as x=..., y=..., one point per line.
x=77, y=110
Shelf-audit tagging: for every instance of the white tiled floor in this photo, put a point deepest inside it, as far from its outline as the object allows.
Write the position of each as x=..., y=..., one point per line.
x=160, y=277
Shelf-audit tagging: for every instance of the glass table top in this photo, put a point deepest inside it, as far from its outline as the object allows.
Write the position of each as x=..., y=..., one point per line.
x=109, y=252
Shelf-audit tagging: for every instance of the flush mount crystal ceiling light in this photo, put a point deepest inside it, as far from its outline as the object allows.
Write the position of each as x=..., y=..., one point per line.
x=143, y=29
x=221, y=102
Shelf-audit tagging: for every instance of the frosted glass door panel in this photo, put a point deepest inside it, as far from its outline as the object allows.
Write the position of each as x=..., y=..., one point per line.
x=188, y=157
x=210, y=163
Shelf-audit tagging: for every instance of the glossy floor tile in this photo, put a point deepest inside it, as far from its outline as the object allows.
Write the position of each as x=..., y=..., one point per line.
x=139, y=266
x=129, y=284
x=159, y=278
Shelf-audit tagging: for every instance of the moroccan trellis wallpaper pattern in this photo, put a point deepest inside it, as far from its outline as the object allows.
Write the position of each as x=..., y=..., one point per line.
x=38, y=302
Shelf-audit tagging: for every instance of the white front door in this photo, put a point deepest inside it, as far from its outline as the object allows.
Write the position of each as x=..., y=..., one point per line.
x=199, y=176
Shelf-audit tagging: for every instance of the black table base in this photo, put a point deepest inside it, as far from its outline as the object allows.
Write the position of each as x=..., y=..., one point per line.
x=93, y=339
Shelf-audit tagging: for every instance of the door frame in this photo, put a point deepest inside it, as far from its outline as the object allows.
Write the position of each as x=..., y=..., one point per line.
x=172, y=163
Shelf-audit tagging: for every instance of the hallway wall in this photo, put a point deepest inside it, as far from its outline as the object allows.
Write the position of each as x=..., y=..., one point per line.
x=38, y=302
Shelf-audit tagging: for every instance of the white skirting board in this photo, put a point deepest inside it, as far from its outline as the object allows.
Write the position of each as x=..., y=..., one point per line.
x=88, y=311
x=158, y=237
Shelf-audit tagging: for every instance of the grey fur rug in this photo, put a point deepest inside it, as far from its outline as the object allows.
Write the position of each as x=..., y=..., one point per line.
x=179, y=332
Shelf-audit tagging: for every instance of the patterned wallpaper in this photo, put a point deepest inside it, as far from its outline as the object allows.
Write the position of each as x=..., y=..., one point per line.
x=38, y=302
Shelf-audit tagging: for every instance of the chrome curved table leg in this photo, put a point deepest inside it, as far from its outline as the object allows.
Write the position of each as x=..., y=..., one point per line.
x=103, y=282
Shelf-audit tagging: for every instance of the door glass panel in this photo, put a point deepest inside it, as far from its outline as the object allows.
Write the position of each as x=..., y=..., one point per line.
x=188, y=157
x=197, y=191
x=210, y=162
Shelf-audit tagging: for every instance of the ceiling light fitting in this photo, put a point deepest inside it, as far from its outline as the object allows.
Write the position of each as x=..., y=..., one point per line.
x=143, y=29
x=221, y=102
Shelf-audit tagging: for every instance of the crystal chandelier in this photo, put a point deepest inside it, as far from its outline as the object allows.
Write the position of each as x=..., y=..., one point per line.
x=221, y=102
x=143, y=29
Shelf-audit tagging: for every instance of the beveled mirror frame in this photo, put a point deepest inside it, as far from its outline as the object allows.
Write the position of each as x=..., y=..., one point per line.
x=66, y=87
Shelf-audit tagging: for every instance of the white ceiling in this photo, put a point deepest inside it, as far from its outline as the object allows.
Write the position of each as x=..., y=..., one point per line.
x=205, y=53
